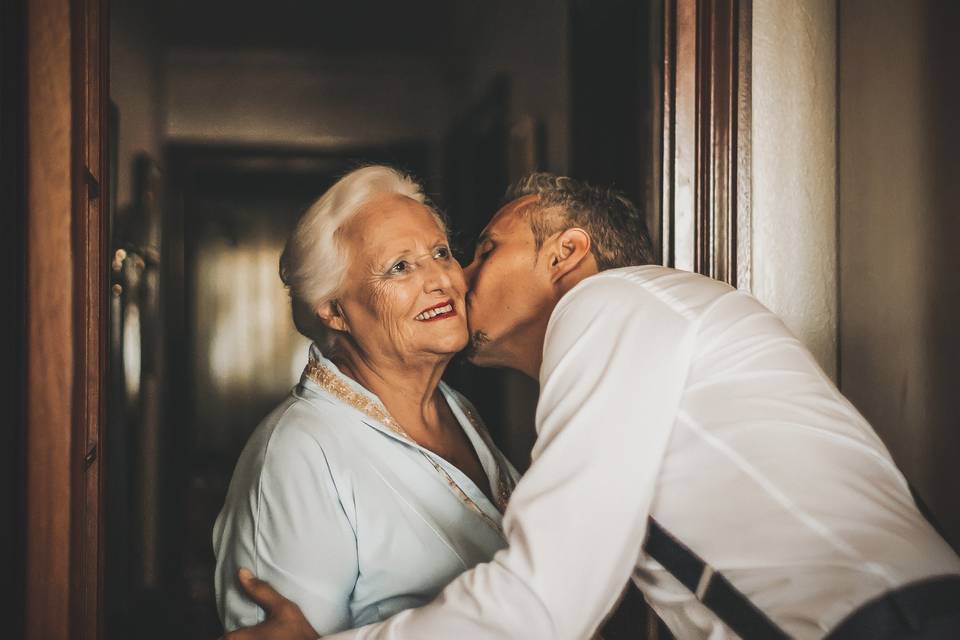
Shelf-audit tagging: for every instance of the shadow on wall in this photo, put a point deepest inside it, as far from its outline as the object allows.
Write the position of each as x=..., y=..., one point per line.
x=899, y=186
x=941, y=56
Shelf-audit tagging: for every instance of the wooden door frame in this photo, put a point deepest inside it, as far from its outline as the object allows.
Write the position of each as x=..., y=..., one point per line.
x=706, y=168
x=91, y=98
x=66, y=98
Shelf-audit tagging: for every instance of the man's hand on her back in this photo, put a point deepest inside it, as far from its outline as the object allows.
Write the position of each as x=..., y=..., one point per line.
x=284, y=620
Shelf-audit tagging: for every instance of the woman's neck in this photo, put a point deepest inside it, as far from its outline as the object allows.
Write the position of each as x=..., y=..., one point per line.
x=408, y=389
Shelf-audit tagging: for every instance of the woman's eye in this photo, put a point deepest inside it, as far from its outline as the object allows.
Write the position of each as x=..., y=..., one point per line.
x=442, y=253
x=400, y=267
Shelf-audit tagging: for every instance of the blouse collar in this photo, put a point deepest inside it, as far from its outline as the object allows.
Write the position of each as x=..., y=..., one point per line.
x=323, y=373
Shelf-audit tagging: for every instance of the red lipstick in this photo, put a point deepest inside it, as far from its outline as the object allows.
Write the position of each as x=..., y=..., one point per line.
x=438, y=311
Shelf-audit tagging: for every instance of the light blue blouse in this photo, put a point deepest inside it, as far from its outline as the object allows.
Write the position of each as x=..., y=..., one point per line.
x=345, y=515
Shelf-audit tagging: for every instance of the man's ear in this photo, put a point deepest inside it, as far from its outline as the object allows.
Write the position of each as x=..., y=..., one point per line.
x=331, y=315
x=568, y=250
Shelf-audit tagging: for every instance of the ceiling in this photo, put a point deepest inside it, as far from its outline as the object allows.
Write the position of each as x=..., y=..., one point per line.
x=411, y=27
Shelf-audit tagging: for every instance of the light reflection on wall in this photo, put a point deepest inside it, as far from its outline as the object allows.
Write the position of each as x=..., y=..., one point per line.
x=131, y=350
x=247, y=352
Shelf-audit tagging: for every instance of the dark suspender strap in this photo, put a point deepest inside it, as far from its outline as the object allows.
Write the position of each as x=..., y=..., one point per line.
x=710, y=587
x=906, y=612
x=928, y=514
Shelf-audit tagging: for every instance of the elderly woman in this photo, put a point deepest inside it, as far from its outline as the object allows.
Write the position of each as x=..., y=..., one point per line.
x=373, y=484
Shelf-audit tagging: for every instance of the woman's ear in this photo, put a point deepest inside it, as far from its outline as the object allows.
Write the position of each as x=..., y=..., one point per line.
x=568, y=251
x=331, y=315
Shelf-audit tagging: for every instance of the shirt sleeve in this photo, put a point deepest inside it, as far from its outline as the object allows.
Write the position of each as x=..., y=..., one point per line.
x=302, y=541
x=615, y=362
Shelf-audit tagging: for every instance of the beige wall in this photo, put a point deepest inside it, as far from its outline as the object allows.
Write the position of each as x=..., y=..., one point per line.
x=899, y=221
x=794, y=188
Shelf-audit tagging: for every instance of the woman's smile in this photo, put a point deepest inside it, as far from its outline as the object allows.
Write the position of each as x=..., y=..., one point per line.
x=440, y=311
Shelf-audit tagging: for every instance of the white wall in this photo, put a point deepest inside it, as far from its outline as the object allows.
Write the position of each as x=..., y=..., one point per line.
x=794, y=164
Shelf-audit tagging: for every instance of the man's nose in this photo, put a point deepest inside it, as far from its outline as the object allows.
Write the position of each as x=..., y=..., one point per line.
x=468, y=273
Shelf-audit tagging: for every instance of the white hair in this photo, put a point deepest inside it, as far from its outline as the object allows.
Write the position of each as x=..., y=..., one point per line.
x=314, y=263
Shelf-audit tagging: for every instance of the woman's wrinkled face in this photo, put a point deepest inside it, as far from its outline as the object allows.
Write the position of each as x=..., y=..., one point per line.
x=403, y=294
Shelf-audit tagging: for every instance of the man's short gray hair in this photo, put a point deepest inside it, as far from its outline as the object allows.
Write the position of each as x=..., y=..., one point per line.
x=314, y=263
x=617, y=230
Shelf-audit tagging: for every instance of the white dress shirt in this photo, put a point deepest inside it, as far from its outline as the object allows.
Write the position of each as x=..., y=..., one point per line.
x=348, y=517
x=666, y=393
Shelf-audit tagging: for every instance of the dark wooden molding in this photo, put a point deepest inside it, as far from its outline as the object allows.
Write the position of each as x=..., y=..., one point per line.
x=706, y=148
x=90, y=193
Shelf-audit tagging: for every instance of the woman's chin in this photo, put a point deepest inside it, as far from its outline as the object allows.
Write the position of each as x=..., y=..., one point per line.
x=448, y=345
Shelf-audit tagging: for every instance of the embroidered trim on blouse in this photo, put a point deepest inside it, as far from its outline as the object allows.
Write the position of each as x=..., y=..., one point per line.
x=504, y=481
x=333, y=383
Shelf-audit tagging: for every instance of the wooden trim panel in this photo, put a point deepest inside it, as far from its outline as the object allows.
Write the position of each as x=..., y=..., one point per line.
x=706, y=177
x=49, y=324
x=90, y=100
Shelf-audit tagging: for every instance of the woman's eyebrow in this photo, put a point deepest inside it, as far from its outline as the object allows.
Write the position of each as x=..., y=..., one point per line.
x=387, y=260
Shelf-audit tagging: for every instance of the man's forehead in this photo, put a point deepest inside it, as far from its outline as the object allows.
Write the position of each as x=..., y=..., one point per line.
x=505, y=221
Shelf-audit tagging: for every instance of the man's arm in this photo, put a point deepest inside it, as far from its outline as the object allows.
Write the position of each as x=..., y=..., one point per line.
x=285, y=620
x=614, y=368
x=615, y=363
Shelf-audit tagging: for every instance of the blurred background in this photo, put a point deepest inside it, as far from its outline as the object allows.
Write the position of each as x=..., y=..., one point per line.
x=227, y=120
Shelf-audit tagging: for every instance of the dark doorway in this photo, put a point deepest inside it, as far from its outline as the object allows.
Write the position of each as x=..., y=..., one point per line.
x=615, y=59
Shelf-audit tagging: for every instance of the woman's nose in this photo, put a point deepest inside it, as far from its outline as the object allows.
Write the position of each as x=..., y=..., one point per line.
x=437, y=276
